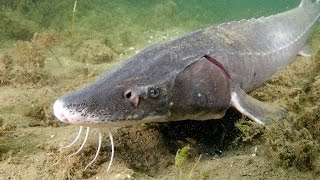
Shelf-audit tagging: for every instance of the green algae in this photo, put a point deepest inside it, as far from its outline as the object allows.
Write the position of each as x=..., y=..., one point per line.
x=181, y=157
x=292, y=147
x=294, y=141
x=25, y=62
x=16, y=26
x=41, y=112
x=249, y=130
x=142, y=152
x=94, y=52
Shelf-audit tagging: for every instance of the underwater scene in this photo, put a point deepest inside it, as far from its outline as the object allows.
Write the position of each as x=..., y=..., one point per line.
x=49, y=48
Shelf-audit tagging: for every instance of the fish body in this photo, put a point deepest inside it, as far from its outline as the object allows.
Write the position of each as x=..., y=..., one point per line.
x=197, y=76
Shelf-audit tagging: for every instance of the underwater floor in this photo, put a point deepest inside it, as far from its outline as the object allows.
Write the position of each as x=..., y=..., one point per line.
x=48, y=50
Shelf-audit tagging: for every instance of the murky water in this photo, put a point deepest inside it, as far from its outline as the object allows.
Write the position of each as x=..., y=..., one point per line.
x=49, y=48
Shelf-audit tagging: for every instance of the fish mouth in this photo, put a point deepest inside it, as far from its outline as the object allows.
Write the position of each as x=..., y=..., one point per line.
x=63, y=114
x=70, y=116
x=82, y=118
x=58, y=111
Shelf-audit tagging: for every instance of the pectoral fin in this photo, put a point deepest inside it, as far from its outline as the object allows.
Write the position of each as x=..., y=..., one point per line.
x=306, y=51
x=259, y=112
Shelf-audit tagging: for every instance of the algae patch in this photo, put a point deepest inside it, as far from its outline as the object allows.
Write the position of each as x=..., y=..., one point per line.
x=16, y=26
x=41, y=112
x=250, y=131
x=25, y=63
x=294, y=141
x=125, y=28
x=94, y=52
x=292, y=146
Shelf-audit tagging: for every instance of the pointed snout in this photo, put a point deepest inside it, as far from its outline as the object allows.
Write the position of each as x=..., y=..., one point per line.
x=65, y=114
x=59, y=111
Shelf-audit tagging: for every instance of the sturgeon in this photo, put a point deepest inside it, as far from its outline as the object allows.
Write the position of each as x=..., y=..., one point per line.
x=197, y=76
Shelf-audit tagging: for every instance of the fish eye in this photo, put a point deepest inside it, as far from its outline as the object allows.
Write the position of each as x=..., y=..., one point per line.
x=154, y=92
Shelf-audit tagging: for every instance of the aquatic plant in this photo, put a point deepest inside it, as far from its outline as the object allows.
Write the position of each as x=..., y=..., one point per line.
x=42, y=113
x=290, y=146
x=16, y=26
x=6, y=127
x=181, y=157
x=5, y=72
x=73, y=15
x=181, y=161
x=294, y=141
x=94, y=52
x=250, y=130
x=26, y=61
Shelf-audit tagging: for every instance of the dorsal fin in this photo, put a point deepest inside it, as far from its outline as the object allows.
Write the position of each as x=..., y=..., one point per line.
x=305, y=2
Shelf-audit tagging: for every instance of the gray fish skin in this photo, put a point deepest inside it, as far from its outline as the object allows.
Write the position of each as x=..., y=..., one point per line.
x=253, y=50
x=197, y=76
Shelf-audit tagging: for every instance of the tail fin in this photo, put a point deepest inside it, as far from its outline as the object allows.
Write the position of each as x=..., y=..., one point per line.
x=306, y=2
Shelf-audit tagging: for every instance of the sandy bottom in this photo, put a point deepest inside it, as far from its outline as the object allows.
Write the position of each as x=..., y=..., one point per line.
x=230, y=148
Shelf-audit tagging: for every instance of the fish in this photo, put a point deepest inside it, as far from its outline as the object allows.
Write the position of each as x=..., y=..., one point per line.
x=198, y=76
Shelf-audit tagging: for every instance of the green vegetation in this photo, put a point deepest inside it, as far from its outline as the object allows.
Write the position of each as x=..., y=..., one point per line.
x=250, y=130
x=95, y=37
x=26, y=61
x=181, y=157
x=294, y=141
x=181, y=161
x=41, y=112
x=94, y=52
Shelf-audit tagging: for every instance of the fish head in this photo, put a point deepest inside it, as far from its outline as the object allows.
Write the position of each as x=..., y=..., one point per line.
x=134, y=93
x=152, y=86
x=196, y=92
x=120, y=104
